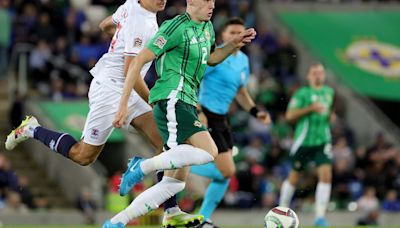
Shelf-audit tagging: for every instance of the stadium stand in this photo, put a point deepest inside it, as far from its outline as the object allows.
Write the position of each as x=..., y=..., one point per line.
x=59, y=41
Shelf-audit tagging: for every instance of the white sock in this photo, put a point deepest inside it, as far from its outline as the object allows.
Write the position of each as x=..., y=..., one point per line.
x=322, y=195
x=175, y=158
x=150, y=199
x=29, y=130
x=287, y=193
x=173, y=210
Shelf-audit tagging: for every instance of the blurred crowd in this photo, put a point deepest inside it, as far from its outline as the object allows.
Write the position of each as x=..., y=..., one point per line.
x=15, y=194
x=63, y=32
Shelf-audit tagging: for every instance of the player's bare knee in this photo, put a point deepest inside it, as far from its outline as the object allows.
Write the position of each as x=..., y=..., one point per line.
x=228, y=172
x=213, y=150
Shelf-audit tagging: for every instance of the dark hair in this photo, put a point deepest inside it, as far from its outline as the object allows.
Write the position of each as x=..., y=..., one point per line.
x=233, y=21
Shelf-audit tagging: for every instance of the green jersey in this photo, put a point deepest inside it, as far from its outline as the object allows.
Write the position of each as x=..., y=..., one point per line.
x=182, y=47
x=312, y=129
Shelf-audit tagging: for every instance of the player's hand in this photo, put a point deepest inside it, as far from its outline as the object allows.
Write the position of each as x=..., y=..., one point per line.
x=264, y=117
x=245, y=37
x=317, y=107
x=120, y=116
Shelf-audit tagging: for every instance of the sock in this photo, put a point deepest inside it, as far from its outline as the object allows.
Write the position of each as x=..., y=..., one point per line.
x=287, y=193
x=208, y=170
x=322, y=195
x=216, y=189
x=171, y=202
x=58, y=142
x=214, y=194
x=175, y=158
x=149, y=200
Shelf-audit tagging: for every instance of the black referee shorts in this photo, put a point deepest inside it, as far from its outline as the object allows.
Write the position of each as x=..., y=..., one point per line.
x=220, y=130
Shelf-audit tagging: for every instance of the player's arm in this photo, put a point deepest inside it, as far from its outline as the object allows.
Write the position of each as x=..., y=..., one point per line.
x=108, y=26
x=220, y=54
x=247, y=103
x=295, y=110
x=132, y=76
x=140, y=85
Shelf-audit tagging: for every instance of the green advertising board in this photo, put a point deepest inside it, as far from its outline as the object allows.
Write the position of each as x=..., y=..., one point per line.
x=70, y=117
x=362, y=48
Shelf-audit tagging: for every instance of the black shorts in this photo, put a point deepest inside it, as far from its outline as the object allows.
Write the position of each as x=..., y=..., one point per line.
x=220, y=130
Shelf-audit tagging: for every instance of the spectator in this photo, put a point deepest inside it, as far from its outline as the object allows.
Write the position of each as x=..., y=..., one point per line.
x=8, y=178
x=25, y=192
x=391, y=203
x=44, y=30
x=41, y=202
x=368, y=202
x=14, y=204
x=342, y=153
x=86, y=204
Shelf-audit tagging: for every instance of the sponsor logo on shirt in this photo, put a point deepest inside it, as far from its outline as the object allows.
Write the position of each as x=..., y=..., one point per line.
x=194, y=40
x=160, y=42
x=137, y=42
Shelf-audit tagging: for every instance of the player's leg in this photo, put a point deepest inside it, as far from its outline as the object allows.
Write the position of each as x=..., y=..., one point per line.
x=153, y=197
x=60, y=142
x=97, y=129
x=299, y=159
x=143, y=122
x=288, y=188
x=218, y=171
x=323, y=160
x=199, y=147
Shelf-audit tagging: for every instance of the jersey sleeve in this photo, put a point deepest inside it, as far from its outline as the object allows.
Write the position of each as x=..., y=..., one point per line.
x=134, y=37
x=168, y=36
x=297, y=100
x=119, y=14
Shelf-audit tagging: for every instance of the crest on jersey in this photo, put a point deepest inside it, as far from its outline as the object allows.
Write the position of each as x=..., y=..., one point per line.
x=137, y=42
x=375, y=57
x=207, y=34
x=160, y=42
x=197, y=124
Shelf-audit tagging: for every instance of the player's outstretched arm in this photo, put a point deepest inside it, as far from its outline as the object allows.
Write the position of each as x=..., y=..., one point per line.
x=108, y=26
x=247, y=103
x=220, y=54
x=133, y=75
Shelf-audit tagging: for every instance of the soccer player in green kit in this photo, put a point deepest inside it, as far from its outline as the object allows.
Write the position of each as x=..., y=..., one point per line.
x=182, y=47
x=311, y=109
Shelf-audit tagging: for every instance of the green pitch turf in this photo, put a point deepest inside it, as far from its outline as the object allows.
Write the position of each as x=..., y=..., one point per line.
x=54, y=226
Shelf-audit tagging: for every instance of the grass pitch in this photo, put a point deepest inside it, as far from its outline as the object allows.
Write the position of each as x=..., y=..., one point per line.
x=61, y=226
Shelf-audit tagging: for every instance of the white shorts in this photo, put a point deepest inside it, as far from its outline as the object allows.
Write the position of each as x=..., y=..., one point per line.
x=103, y=105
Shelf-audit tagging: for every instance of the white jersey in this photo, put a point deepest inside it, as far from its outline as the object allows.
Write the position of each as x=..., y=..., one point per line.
x=135, y=27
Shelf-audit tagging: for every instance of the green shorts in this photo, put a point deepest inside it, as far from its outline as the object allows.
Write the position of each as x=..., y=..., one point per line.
x=321, y=154
x=176, y=121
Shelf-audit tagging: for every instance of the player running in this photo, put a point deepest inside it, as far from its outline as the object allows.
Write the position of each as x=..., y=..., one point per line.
x=134, y=24
x=183, y=48
x=229, y=78
x=311, y=109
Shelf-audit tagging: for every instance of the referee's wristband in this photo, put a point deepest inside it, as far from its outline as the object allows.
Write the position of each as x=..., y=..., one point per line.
x=253, y=111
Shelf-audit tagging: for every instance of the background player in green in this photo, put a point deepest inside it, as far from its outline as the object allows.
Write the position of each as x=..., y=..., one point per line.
x=311, y=109
x=183, y=47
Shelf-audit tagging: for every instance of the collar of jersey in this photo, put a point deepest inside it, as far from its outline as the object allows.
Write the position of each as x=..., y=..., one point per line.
x=192, y=22
x=144, y=11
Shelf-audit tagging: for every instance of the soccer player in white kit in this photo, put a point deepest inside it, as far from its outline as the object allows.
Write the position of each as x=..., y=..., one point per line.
x=133, y=24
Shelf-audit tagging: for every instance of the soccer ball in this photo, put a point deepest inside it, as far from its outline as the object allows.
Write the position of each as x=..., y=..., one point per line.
x=281, y=217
